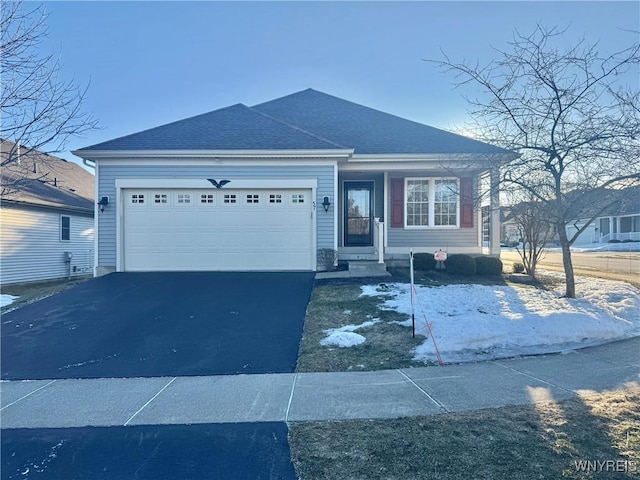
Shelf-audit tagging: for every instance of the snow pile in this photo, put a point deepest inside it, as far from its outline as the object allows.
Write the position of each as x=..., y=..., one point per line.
x=7, y=299
x=345, y=336
x=608, y=247
x=477, y=322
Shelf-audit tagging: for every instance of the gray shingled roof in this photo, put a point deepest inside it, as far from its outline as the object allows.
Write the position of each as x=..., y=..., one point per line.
x=237, y=127
x=305, y=120
x=46, y=180
x=366, y=130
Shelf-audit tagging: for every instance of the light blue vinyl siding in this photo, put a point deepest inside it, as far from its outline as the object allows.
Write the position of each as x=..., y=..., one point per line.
x=109, y=173
x=433, y=238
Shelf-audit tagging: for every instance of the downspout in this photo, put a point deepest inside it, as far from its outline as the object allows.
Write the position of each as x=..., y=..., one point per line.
x=96, y=212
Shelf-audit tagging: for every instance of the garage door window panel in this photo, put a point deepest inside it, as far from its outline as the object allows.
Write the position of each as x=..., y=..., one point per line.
x=298, y=198
x=207, y=199
x=161, y=199
x=184, y=199
x=230, y=199
x=253, y=199
x=137, y=199
x=275, y=199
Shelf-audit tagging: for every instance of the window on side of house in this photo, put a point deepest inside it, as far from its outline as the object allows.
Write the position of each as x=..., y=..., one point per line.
x=65, y=228
x=431, y=202
x=486, y=226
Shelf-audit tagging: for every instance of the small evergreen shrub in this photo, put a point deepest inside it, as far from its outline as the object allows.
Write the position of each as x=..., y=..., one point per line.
x=327, y=258
x=460, y=264
x=518, y=267
x=423, y=261
x=628, y=240
x=614, y=240
x=488, y=266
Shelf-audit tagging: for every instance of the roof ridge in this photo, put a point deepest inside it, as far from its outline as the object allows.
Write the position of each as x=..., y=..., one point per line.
x=310, y=93
x=295, y=127
x=404, y=119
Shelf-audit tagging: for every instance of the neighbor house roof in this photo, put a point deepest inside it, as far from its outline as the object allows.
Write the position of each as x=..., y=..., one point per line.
x=585, y=204
x=627, y=202
x=306, y=120
x=38, y=179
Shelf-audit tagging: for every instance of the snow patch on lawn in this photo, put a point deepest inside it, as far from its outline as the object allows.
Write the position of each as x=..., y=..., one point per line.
x=474, y=322
x=6, y=300
x=344, y=336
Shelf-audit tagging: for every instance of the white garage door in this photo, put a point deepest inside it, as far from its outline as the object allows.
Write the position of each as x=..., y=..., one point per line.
x=217, y=229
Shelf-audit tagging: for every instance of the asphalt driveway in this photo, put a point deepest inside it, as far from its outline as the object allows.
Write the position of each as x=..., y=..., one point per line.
x=160, y=324
x=220, y=451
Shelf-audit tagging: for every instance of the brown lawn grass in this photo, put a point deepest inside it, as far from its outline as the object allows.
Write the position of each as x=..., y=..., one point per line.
x=542, y=441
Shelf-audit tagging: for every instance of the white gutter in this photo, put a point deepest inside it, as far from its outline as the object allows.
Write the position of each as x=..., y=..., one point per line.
x=431, y=157
x=319, y=153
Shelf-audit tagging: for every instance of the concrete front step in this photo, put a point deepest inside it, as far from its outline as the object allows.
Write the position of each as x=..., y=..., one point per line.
x=367, y=269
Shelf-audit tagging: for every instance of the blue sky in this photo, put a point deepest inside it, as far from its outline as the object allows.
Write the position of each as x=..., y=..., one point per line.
x=150, y=63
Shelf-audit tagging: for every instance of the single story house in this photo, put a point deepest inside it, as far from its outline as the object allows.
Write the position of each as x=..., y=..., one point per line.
x=619, y=223
x=288, y=183
x=47, y=217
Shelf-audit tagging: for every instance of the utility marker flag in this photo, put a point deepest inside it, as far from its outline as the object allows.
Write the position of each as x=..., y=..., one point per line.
x=413, y=316
x=414, y=294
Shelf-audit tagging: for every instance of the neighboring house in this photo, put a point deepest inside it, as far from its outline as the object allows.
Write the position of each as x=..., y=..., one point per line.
x=305, y=174
x=46, y=214
x=620, y=222
x=509, y=233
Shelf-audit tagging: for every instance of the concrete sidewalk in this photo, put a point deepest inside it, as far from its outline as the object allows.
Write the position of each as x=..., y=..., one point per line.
x=318, y=396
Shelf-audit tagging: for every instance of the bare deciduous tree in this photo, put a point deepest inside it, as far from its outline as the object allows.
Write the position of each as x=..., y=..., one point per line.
x=38, y=110
x=571, y=114
x=534, y=231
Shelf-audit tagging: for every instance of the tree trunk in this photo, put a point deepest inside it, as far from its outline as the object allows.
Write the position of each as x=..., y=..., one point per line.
x=570, y=281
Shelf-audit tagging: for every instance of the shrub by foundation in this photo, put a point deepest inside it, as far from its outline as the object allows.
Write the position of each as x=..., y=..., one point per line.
x=460, y=264
x=488, y=266
x=423, y=261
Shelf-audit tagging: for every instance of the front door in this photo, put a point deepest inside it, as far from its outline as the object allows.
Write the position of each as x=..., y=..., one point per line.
x=358, y=214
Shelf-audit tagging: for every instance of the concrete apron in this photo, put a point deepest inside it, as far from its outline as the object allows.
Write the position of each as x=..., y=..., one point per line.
x=295, y=397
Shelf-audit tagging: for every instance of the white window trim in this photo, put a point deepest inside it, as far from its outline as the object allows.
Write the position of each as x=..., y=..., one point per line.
x=60, y=236
x=432, y=209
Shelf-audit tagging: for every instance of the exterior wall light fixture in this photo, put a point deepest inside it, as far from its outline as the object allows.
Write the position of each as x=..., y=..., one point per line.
x=326, y=203
x=104, y=201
